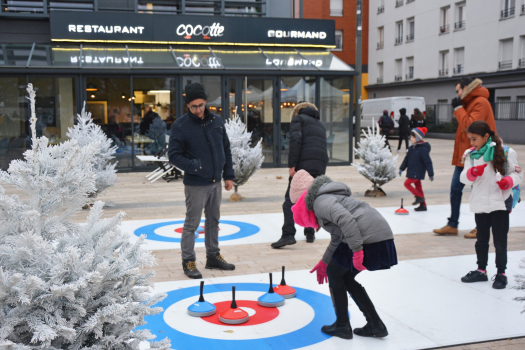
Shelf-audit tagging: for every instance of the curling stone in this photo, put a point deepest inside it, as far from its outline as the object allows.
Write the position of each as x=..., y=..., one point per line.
x=285, y=290
x=270, y=299
x=201, y=308
x=402, y=211
x=233, y=314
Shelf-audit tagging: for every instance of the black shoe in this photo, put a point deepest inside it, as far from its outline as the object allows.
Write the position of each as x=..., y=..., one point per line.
x=190, y=269
x=419, y=200
x=285, y=240
x=334, y=330
x=474, y=276
x=310, y=237
x=369, y=330
x=500, y=281
x=219, y=263
x=421, y=207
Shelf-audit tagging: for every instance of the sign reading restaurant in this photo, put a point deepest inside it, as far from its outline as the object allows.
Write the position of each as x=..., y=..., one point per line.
x=196, y=30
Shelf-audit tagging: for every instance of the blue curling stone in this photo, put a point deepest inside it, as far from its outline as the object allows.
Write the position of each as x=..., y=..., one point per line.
x=270, y=300
x=201, y=309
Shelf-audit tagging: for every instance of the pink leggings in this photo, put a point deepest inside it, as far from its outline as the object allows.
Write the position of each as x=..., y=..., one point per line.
x=417, y=189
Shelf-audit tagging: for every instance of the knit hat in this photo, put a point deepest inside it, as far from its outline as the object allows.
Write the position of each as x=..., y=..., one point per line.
x=194, y=91
x=301, y=215
x=301, y=181
x=419, y=133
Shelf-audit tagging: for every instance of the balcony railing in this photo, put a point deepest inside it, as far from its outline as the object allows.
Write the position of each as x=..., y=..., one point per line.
x=410, y=37
x=459, y=25
x=380, y=45
x=521, y=63
x=399, y=3
x=507, y=12
x=381, y=9
x=399, y=41
x=444, y=29
x=459, y=69
x=505, y=64
x=410, y=76
x=398, y=78
x=380, y=80
x=509, y=110
x=443, y=72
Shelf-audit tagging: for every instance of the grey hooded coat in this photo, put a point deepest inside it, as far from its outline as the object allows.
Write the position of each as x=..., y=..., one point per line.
x=347, y=219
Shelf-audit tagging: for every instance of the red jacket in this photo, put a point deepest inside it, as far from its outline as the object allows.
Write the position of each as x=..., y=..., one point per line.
x=476, y=106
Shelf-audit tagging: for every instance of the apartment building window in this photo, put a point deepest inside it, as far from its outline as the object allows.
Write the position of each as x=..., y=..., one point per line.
x=522, y=52
x=505, y=61
x=338, y=40
x=381, y=35
x=409, y=1
x=445, y=20
x=443, y=63
x=459, y=59
x=336, y=8
x=381, y=7
x=508, y=8
x=460, y=16
x=380, y=73
x=399, y=32
x=523, y=9
x=399, y=70
x=411, y=29
x=410, y=68
x=399, y=3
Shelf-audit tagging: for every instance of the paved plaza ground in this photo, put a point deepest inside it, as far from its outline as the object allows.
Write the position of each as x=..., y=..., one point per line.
x=264, y=193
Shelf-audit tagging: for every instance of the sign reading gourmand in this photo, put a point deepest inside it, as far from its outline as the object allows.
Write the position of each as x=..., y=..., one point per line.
x=178, y=29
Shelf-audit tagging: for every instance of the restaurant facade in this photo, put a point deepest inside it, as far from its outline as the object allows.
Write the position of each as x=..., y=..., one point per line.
x=125, y=66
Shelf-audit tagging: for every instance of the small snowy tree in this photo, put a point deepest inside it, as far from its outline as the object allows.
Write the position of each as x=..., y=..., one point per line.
x=157, y=132
x=246, y=160
x=85, y=132
x=379, y=166
x=65, y=285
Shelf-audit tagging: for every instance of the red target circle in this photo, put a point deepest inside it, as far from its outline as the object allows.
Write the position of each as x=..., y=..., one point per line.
x=262, y=314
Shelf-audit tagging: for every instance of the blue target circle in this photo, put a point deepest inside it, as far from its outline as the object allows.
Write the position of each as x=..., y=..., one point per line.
x=245, y=230
x=308, y=335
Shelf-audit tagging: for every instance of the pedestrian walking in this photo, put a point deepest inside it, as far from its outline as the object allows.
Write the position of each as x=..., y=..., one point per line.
x=307, y=151
x=361, y=239
x=417, y=162
x=471, y=104
x=404, y=128
x=418, y=119
x=492, y=170
x=200, y=146
x=386, y=126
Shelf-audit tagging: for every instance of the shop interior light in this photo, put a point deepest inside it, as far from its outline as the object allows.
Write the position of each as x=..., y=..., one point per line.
x=92, y=95
x=91, y=87
x=284, y=89
x=123, y=95
x=159, y=91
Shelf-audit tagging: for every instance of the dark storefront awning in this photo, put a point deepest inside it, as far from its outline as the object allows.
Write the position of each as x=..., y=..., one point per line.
x=126, y=57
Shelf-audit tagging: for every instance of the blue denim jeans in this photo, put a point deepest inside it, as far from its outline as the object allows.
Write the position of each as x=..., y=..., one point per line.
x=456, y=192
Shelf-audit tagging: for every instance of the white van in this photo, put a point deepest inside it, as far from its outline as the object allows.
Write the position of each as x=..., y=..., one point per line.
x=374, y=108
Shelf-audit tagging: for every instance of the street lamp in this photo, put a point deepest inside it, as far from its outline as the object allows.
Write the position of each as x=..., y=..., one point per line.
x=358, y=53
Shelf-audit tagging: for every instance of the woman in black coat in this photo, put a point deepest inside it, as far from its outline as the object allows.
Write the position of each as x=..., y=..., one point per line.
x=404, y=128
x=418, y=120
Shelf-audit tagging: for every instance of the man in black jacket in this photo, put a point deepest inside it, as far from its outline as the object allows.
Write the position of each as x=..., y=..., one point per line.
x=386, y=125
x=307, y=151
x=200, y=146
x=404, y=128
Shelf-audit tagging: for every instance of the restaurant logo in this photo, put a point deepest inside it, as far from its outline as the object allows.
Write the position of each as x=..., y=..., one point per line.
x=293, y=62
x=295, y=34
x=187, y=61
x=95, y=28
x=207, y=32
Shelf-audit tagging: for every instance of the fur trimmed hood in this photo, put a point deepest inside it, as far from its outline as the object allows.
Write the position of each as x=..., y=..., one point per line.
x=324, y=185
x=471, y=87
x=297, y=109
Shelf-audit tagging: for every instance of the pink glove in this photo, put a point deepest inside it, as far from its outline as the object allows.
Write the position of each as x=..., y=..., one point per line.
x=321, y=272
x=505, y=183
x=358, y=260
x=476, y=171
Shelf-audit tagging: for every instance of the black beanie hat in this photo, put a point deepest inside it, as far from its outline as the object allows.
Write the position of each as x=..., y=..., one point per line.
x=194, y=91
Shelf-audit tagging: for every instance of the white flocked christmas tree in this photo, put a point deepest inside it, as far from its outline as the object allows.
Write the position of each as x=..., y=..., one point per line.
x=246, y=160
x=65, y=285
x=85, y=132
x=379, y=166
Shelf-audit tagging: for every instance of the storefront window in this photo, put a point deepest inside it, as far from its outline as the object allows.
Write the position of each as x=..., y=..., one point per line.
x=212, y=86
x=335, y=115
x=293, y=91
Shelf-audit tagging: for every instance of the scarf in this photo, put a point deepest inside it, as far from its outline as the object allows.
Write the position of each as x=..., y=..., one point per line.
x=301, y=215
x=487, y=151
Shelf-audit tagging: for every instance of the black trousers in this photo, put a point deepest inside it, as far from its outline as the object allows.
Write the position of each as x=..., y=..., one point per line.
x=403, y=136
x=386, y=138
x=499, y=221
x=289, y=223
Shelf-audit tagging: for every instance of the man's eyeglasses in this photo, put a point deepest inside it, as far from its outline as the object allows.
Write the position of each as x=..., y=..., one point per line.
x=195, y=108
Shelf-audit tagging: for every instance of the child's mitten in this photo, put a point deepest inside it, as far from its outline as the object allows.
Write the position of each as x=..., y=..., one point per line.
x=358, y=260
x=505, y=183
x=431, y=178
x=476, y=171
x=321, y=272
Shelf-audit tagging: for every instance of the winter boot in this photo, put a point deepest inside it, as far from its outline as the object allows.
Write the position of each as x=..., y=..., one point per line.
x=374, y=326
x=218, y=263
x=422, y=207
x=285, y=240
x=344, y=331
x=500, y=281
x=310, y=237
x=190, y=269
x=419, y=200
